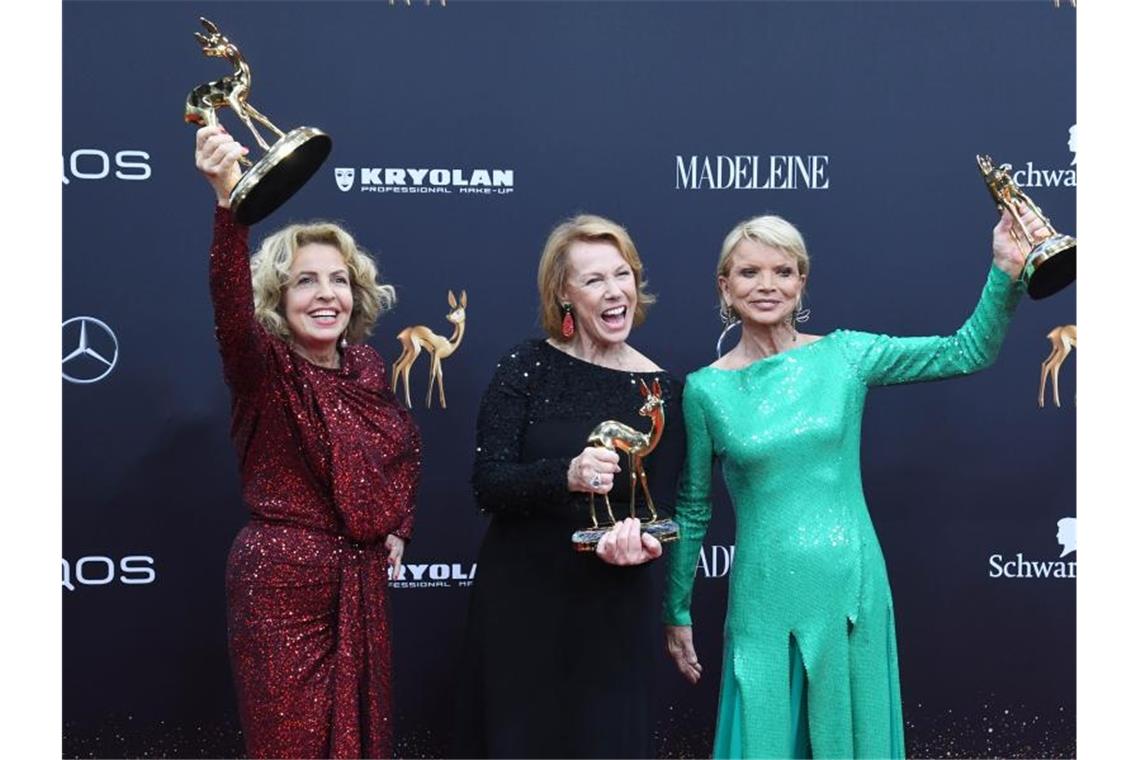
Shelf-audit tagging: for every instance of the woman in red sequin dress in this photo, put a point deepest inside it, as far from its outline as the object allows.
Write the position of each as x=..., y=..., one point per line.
x=330, y=465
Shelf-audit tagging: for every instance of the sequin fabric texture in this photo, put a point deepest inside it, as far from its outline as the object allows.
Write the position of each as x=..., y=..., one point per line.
x=559, y=650
x=808, y=568
x=330, y=465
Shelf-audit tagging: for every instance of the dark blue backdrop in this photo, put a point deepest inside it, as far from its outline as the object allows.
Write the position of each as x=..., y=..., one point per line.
x=590, y=105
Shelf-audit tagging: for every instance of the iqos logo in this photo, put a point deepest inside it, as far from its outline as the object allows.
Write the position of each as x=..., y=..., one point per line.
x=93, y=164
x=97, y=570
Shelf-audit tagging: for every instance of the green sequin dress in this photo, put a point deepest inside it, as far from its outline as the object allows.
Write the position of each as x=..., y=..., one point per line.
x=810, y=618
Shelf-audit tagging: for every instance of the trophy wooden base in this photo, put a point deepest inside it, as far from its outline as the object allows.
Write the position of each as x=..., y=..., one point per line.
x=288, y=164
x=665, y=531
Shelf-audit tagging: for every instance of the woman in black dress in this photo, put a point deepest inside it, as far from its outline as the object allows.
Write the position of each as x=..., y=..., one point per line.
x=558, y=660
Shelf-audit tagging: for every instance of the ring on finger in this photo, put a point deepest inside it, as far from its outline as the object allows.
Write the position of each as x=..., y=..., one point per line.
x=596, y=480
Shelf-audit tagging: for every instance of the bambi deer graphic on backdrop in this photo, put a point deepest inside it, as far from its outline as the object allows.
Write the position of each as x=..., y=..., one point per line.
x=231, y=90
x=617, y=436
x=420, y=338
x=1064, y=340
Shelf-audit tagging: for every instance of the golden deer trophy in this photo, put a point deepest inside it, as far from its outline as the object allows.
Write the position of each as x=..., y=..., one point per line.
x=1050, y=264
x=617, y=436
x=287, y=164
x=419, y=338
x=1064, y=340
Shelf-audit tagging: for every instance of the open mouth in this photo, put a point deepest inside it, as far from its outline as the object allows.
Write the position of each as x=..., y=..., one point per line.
x=324, y=317
x=615, y=317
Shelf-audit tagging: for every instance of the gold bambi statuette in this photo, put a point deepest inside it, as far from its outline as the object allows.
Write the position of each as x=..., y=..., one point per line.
x=419, y=338
x=1051, y=264
x=1064, y=340
x=617, y=436
x=287, y=164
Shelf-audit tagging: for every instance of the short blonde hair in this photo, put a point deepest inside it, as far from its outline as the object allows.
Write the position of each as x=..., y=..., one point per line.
x=552, y=267
x=269, y=268
x=769, y=230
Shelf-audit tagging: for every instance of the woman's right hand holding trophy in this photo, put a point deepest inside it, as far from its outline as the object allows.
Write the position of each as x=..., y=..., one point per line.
x=216, y=155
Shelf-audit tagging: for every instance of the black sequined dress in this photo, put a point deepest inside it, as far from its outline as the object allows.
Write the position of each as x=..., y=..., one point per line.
x=560, y=646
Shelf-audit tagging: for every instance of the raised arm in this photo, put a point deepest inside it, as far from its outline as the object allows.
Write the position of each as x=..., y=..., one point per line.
x=887, y=360
x=240, y=338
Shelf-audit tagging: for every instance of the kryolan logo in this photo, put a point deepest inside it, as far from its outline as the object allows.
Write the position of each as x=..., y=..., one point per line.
x=94, y=164
x=436, y=575
x=427, y=181
x=1018, y=567
x=753, y=172
x=344, y=178
x=97, y=570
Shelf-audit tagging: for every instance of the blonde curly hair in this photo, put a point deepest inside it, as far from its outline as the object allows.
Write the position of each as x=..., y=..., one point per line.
x=269, y=269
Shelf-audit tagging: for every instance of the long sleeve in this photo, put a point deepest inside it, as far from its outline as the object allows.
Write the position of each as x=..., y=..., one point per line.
x=886, y=360
x=502, y=481
x=241, y=339
x=692, y=511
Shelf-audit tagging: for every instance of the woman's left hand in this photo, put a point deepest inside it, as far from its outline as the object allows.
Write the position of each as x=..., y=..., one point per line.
x=395, y=546
x=625, y=544
x=1010, y=252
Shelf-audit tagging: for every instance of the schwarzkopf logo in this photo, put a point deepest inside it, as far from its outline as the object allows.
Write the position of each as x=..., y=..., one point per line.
x=428, y=181
x=94, y=350
x=1031, y=175
x=738, y=172
x=1019, y=567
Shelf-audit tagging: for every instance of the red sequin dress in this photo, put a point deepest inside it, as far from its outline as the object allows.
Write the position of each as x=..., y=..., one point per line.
x=330, y=465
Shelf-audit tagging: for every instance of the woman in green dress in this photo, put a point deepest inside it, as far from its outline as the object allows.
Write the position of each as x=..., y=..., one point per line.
x=810, y=665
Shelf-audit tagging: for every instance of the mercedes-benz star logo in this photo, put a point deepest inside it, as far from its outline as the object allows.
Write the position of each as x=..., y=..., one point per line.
x=96, y=350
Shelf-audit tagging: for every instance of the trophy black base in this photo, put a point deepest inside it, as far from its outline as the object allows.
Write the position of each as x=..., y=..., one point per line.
x=586, y=540
x=1051, y=266
x=288, y=164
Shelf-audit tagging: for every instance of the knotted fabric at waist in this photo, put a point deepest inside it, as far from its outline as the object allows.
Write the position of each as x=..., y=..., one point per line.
x=360, y=648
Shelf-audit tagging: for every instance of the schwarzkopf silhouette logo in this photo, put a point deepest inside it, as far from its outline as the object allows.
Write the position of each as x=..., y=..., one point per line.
x=92, y=350
x=345, y=176
x=1067, y=535
x=1019, y=567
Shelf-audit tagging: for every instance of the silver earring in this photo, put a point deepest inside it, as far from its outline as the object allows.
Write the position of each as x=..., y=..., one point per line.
x=799, y=316
x=729, y=319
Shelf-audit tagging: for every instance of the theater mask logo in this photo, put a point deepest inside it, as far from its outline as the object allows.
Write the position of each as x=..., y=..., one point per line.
x=345, y=176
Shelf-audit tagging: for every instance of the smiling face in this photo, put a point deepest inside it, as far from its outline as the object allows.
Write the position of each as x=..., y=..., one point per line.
x=601, y=290
x=318, y=297
x=763, y=284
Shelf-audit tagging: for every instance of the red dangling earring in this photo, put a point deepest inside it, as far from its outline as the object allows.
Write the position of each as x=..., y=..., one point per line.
x=567, y=321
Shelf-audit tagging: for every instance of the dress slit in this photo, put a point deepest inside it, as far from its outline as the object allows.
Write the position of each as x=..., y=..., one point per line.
x=799, y=732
